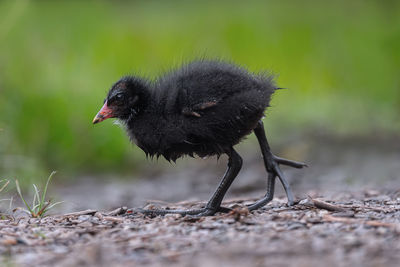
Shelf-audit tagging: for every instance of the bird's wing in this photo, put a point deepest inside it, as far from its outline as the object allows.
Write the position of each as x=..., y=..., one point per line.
x=197, y=109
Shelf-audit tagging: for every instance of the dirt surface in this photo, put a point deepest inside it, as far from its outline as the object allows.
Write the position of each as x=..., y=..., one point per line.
x=348, y=214
x=350, y=231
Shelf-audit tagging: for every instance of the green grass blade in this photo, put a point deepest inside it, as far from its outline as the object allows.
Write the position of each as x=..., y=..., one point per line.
x=20, y=195
x=35, y=208
x=5, y=184
x=45, y=189
x=36, y=198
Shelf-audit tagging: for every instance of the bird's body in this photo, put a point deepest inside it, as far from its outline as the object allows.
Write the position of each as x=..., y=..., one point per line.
x=203, y=108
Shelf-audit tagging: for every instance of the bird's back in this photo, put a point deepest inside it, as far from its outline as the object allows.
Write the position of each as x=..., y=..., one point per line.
x=207, y=107
x=208, y=80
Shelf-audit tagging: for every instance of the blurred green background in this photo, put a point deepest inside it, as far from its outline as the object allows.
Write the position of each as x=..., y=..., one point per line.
x=340, y=59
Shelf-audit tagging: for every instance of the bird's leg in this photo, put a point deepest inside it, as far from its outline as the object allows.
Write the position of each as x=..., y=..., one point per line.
x=268, y=196
x=271, y=163
x=234, y=166
x=214, y=204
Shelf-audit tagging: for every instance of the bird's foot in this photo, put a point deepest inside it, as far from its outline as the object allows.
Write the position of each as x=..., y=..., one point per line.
x=273, y=163
x=192, y=213
x=205, y=212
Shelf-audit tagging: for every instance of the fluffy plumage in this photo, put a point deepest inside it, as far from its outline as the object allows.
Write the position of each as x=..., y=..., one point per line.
x=203, y=108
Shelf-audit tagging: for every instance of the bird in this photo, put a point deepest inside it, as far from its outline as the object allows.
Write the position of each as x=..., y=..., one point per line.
x=203, y=108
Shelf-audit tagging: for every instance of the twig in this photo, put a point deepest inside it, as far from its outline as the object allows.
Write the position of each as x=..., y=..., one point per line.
x=325, y=205
x=118, y=211
x=83, y=212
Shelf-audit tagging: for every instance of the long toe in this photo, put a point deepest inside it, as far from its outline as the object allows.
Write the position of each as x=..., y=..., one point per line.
x=163, y=212
x=205, y=212
x=290, y=163
x=277, y=171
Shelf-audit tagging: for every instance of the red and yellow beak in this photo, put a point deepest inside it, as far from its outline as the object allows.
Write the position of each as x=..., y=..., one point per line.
x=104, y=113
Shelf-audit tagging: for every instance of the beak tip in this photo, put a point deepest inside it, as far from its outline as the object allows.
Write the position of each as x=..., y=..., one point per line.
x=95, y=120
x=104, y=113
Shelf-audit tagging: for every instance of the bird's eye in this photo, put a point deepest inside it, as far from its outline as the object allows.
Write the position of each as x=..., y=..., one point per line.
x=117, y=99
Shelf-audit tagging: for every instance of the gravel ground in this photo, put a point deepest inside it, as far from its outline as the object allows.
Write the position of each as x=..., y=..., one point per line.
x=349, y=231
x=348, y=214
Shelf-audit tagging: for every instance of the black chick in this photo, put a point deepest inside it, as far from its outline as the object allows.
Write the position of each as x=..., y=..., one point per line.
x=204, y=108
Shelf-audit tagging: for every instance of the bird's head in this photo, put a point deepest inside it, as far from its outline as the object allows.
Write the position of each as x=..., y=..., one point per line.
x=124, y=100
